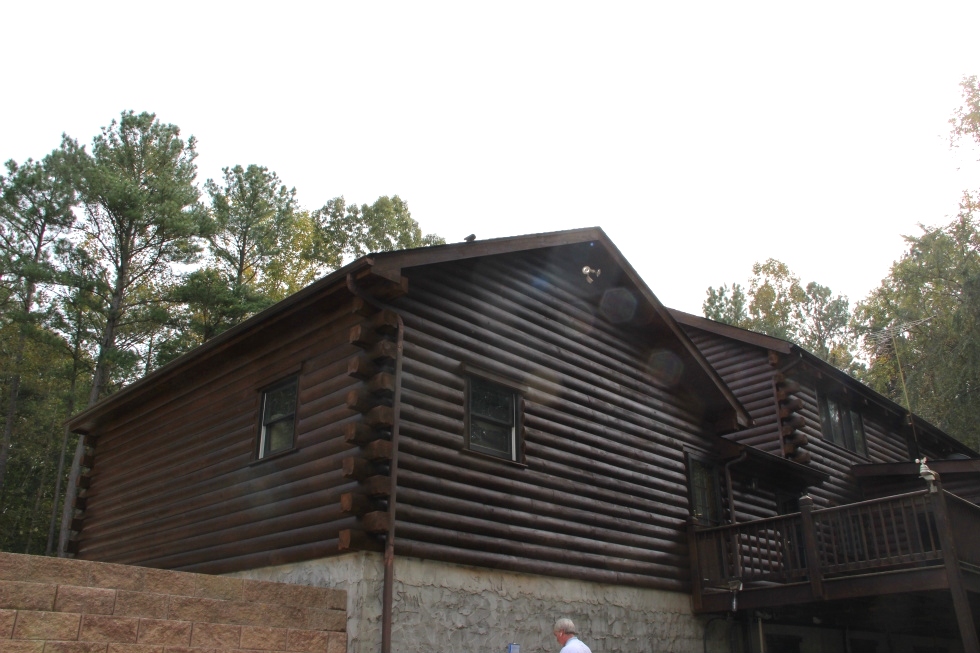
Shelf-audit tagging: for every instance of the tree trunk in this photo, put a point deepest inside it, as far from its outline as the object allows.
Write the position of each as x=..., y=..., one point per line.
x=98, y=384
x=49, y=548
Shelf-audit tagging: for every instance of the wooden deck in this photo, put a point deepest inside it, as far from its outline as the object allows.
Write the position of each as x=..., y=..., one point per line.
x=913, y=542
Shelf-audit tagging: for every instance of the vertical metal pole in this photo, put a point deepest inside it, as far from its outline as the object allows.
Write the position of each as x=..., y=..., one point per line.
x=388, y=583
x=762, y=637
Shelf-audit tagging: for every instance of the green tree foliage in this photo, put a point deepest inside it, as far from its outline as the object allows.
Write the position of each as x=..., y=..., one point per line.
x=253, y=214
x=89, y=297
x=204, y=304
x=264, y=249
x=36, y=203
x=140, y=218
x=296, y=265
x=966, y=118
x=346, y=231
x=779, y=305
x=29, y=492
x=922, y=327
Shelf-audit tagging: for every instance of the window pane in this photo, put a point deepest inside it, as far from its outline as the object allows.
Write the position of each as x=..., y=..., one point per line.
x=491, y=402
x=280, y=435
x=857, y=428
x=280, y=403
x=841, y=424
x=491, y=438
x=836, y=425
x=703, y=493
x=825, y=419
x=278, y=419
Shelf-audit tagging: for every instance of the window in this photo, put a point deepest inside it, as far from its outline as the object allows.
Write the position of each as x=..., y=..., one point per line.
x=705, y=497
x=842, y=424
x=278, y=418
x=493, y=418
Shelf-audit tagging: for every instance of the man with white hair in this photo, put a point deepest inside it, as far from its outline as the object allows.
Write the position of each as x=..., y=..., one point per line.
x=567, y=638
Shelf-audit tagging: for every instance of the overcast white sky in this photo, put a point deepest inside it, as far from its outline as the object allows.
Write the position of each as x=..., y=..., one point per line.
x=701, y=137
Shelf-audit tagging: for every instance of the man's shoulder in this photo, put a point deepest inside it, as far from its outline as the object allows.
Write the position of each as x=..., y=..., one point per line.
x=575, y=646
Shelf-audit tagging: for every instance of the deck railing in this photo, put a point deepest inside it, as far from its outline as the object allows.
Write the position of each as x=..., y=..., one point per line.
x=815, y=545
x=963, y=519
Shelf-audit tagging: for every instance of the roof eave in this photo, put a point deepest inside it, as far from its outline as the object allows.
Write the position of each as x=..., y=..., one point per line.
x=389, y=265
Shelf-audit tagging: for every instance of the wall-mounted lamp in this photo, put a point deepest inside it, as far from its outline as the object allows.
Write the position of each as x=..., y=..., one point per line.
x=591, y=274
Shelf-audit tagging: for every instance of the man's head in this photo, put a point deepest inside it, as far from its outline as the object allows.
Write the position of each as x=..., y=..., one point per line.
x=564, y=630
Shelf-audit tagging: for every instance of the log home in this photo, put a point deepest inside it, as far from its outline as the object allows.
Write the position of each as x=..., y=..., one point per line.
x=476, y=438
x=882, y=544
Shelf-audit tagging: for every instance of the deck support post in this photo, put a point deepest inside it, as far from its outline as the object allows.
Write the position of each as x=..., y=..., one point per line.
x=810, y=542
x=692, y=554
x=961, y=602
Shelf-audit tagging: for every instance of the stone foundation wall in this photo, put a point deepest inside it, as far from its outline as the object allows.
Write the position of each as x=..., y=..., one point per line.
x=56, y=605
x=447, y=608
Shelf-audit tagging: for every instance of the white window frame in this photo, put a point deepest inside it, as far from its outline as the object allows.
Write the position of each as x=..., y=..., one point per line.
x=265, y=423
x=505, y=386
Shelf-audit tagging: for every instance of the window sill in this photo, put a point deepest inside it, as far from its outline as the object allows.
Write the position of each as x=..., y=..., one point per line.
x=273, y=456
x=840, y=447
x=486, y=456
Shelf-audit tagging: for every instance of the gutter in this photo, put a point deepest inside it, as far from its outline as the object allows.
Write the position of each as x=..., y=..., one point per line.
x=388, y=584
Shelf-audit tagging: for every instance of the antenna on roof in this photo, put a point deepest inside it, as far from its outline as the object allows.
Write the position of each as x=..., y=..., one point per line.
x=889, y=334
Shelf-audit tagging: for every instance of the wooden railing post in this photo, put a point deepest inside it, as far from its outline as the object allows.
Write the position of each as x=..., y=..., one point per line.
x=961, y=602
x=696, y=575
x=810, y=543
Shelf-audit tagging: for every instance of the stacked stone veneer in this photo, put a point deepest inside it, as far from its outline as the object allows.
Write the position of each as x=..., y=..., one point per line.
x=52, y=605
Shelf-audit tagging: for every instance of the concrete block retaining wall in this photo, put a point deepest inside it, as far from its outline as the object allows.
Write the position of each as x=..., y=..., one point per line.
x=448, y=608
x=56, y=605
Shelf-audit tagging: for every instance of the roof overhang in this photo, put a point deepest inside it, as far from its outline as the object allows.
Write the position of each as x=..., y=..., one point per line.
x=783, y=472
x=389, y=266
x=923, y=429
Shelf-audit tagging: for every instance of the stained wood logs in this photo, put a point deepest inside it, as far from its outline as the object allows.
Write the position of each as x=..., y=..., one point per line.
x=372, y=398
x=791, y=421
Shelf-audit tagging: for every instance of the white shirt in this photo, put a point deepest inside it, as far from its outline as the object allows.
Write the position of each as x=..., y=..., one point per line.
x=575, y=645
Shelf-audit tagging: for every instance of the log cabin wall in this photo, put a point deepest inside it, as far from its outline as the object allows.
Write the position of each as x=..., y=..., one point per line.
x=747, y=369
x=602, y=491
x=832, y=459
x=176, y=484
x=608, y=417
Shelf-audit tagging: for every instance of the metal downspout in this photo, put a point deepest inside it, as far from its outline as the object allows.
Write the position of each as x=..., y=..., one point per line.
x=728, y=484
x=736, y=583
x=388, y=584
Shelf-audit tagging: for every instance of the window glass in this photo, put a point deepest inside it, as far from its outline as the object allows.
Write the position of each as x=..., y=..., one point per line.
x=491, y=401
x=492, y=419
x=841, y=423
x=278, y=419
x=704, y=493
x=857, y=431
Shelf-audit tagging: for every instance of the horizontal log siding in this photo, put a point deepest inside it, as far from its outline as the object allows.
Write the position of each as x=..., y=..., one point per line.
x=884, y=446
x=175, y=484
x=746, y=370
x=603, y=495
